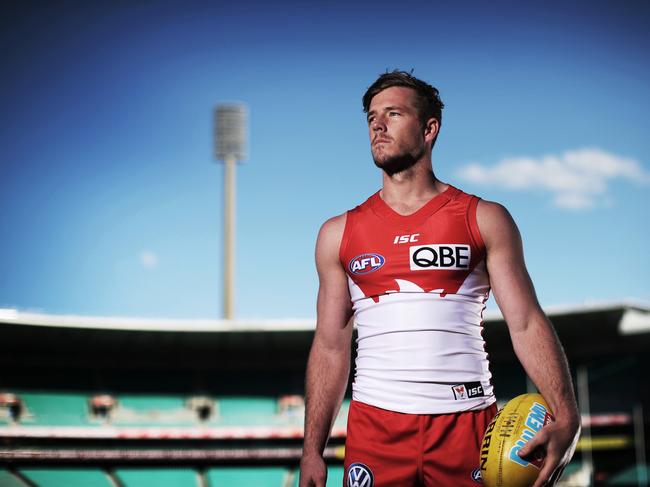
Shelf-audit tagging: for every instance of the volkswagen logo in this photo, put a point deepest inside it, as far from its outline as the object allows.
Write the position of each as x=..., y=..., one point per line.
x=359, y=476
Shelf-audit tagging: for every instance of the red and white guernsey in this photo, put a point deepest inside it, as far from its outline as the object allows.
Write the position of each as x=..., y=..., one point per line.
x=418, y=285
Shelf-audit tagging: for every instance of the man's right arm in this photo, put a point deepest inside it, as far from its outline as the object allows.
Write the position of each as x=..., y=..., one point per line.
x=328, y=367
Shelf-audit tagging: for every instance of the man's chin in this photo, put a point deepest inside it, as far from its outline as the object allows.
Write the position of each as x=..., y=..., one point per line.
x=395, y=165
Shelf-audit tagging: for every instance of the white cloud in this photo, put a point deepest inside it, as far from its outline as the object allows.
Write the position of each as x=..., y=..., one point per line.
x=574, y=201
x=148, y=259
x=576, y=179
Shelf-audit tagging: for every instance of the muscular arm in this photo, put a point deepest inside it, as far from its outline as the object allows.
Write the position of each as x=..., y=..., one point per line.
x=533, y=337
x=328, y=367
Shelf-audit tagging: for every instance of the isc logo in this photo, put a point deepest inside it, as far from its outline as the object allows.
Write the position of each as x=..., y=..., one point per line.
x=366, y=263
x=467, y=390
x=400, y=239
x=434, y=257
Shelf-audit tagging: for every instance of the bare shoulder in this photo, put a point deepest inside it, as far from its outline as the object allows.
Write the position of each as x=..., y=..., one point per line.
x=333, y=226
x=331, y=232
x=329, y=237
x=495, y=222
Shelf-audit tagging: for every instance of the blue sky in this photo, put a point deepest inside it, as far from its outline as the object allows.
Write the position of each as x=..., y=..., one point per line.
x=111, y=201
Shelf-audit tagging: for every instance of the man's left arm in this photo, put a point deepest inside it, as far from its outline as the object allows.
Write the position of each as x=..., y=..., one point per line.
x=533, y=339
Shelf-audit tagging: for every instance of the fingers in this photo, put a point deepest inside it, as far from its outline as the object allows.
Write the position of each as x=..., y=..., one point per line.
x=551, y=471
x=311, y=479
x=313, y=472
x=546, y=480
x=311, y=482
x=544, y=475
x=537, y=442
x=539, y=447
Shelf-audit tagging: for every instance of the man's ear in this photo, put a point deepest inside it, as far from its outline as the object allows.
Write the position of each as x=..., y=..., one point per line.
x=431, y=128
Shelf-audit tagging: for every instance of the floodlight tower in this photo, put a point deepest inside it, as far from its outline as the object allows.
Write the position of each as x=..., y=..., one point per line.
x=230, y=144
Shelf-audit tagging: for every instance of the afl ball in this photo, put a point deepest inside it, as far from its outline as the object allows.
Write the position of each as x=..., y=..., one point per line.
x=512, y=427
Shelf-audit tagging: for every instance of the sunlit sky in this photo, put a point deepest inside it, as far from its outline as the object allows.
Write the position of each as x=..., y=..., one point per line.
x=111, y=200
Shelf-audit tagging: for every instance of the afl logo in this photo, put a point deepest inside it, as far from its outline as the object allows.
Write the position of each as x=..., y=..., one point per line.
x=366, y=263
x=359, y=476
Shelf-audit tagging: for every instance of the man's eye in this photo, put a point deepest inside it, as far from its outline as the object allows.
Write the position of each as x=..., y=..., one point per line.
x=370, y=120
x=393, y=113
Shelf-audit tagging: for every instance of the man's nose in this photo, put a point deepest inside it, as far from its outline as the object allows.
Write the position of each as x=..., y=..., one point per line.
x=378, y=125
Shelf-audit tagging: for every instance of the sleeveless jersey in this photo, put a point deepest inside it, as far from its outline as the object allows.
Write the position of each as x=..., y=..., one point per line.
x=418, y=285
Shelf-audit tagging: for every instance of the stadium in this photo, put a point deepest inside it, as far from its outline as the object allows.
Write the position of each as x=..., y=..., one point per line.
x=93, y=401
x=90, y=401
x=111, y=225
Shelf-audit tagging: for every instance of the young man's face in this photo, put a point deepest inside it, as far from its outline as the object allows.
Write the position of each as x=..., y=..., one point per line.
x=397, y=136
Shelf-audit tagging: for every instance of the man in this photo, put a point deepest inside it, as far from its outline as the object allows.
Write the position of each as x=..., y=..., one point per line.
x=414, y=264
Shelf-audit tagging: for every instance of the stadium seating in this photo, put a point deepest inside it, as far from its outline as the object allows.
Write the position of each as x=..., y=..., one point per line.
x=334, y=476
x=66, y=477
x=70, y=409
x=253, y=476
x=49, y=409
x=7, y=479
x=258, y=476
x=158, y=477
x=144, y=410
x=246, y=411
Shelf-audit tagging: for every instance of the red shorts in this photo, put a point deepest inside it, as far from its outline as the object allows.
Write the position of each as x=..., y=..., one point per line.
x=385, y=448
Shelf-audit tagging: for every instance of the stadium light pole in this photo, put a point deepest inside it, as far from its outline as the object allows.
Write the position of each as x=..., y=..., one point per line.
x=230, y=147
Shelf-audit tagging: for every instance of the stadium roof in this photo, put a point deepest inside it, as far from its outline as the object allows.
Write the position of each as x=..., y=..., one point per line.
x=33, y=342
x=15, y=317
x=635, y=318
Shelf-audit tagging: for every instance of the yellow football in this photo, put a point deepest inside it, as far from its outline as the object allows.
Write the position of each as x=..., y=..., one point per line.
x=512, y=427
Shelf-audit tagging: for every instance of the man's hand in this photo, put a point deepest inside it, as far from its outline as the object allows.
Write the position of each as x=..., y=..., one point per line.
x=328, y=367
x=556, y=442
x=313, y=471
x=533, y=338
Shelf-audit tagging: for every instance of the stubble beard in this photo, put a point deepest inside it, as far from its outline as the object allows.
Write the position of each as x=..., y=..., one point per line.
x=395, y=164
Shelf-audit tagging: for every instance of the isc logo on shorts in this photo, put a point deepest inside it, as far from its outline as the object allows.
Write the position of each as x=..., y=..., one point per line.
x=360, y=476
x=437, y=257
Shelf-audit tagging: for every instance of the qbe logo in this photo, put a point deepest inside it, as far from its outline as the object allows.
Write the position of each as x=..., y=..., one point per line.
x=360, y=476
x=438, y=257
x=366, y=263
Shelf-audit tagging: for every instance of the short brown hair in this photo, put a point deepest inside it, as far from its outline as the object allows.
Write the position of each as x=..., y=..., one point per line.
x=427, y=102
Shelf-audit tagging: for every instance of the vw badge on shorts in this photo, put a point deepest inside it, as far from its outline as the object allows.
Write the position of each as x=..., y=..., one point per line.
x=476, y=475
x=359, y=476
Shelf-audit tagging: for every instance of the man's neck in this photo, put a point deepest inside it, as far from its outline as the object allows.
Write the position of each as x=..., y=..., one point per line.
x=409, y=190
